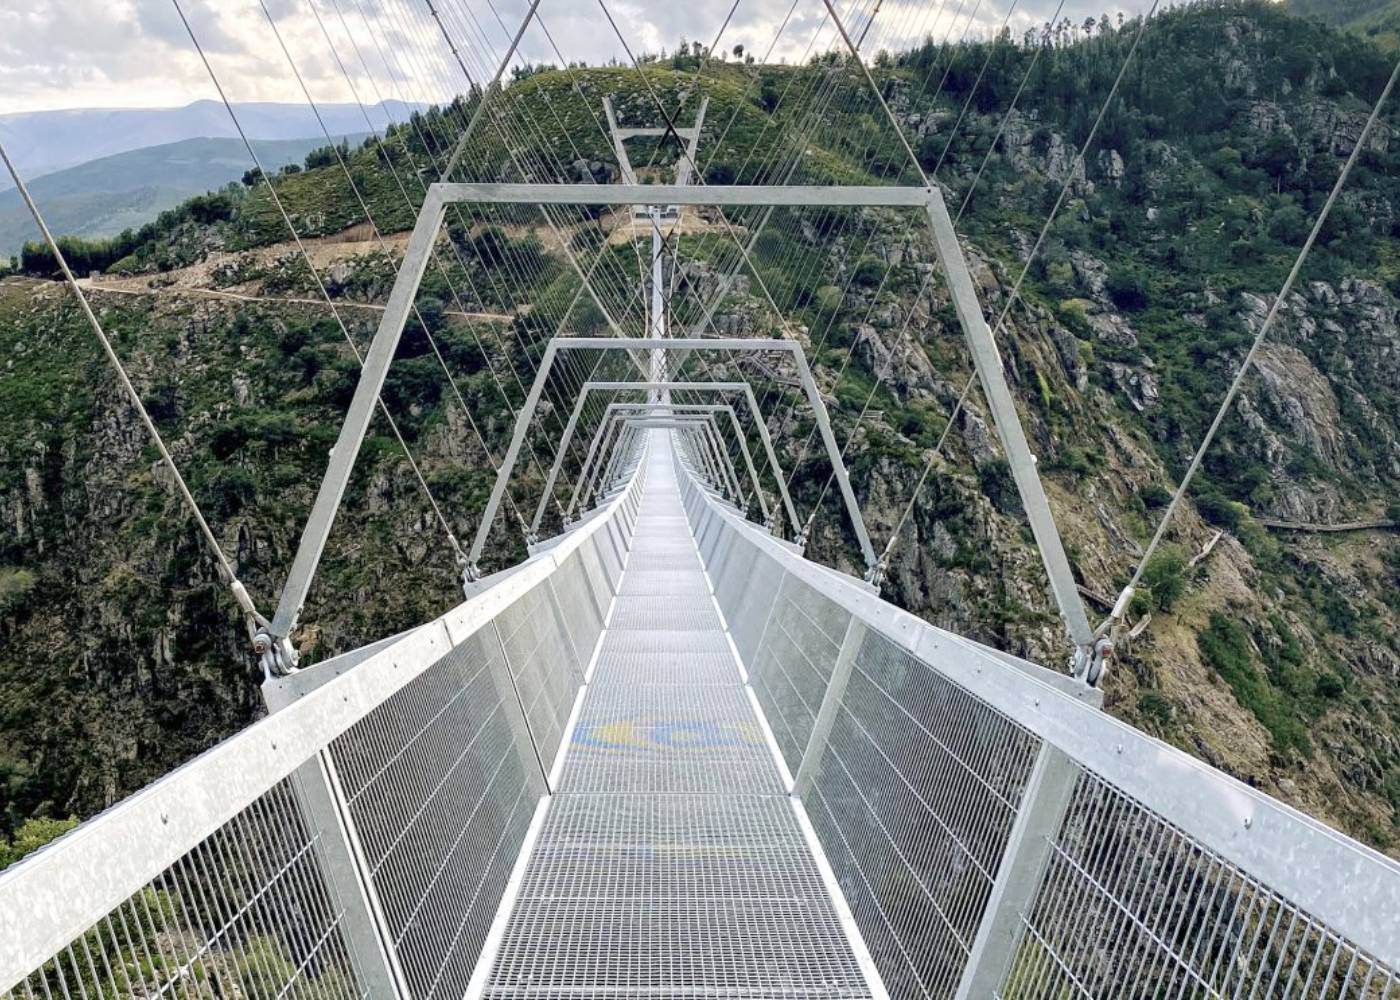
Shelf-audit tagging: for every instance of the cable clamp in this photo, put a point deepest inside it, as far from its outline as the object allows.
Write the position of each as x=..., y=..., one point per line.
x=1089, y=662
x=276, y=654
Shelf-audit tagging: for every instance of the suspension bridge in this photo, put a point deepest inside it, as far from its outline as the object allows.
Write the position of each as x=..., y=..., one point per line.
x=667, y=754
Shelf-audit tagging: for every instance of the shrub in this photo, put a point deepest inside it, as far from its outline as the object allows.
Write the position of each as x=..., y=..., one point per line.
x=1329, y=686
x=15, y=587
x=828, y=298
x=31, y=835
x=1155, y=496
x=1153, y=707
x=1074, y=313
x=1165, y=577
x=869, y=271
x=206, y=209
x=1127, y=288
x=999, y=486
x=1225, y=646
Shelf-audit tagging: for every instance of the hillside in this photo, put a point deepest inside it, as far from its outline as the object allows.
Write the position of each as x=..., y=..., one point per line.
x=1274, y=656
x=102, y=197
x=1378, y=20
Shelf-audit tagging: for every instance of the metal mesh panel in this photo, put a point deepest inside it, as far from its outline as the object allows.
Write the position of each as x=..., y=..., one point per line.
x=750, y=603
x=793, y=667
x=653, y=656
x=655, y=582
x=542, y=663
x=674, y=896
x=610, y=556
x=913, y=802
x=437, y=792
x=664, y=612
x=645, y=561
x=247, y=913
x=1131, y=905
x=705, y=532
x=717, y=533
x=583, y=618
x=599, y=583
x=729, y=573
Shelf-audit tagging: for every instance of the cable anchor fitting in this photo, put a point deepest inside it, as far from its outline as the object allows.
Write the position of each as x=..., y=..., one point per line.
x=1089, y=662
x=471, y=573
x=276, y=654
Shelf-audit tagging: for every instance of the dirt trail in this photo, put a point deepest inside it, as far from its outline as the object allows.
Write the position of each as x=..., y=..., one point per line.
x=198, y=279
x=115, y=288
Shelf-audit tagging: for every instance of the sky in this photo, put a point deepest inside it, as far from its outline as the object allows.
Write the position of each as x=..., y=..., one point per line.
x=137, y=53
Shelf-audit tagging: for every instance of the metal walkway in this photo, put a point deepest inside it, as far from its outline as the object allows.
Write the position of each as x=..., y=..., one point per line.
x=672, y=861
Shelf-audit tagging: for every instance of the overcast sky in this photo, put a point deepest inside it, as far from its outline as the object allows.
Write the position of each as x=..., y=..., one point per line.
x=135, y=53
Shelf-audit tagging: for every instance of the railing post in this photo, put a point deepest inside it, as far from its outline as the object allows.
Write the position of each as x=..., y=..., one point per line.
x=325, y=810
x=831, y=704
x=1043, y=805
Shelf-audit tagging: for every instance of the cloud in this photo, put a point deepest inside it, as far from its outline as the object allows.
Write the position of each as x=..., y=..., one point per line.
x=137, y=53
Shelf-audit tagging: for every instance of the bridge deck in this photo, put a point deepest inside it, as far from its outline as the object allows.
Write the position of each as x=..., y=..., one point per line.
x=671, y=861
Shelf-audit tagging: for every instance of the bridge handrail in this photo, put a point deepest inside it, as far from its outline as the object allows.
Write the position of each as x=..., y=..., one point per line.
x=52, y=898
x=1344, y=888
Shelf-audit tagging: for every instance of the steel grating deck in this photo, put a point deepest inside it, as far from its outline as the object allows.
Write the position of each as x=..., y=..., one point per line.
x=671, y=861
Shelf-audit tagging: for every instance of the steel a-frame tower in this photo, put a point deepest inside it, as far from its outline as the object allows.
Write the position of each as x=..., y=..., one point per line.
x=657, y=320
x=1088, y=649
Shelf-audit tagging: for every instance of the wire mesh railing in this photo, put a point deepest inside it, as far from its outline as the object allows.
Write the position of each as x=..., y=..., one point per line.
x=247, y=911
x=996, y=835
x=358, y=841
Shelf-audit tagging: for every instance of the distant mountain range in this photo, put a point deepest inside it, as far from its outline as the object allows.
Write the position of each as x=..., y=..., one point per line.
x=42, y=142
x=97, y=171
x=107, y=195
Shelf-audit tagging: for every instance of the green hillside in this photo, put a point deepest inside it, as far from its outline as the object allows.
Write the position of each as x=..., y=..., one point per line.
x=124, y=191
x=1376, y=19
